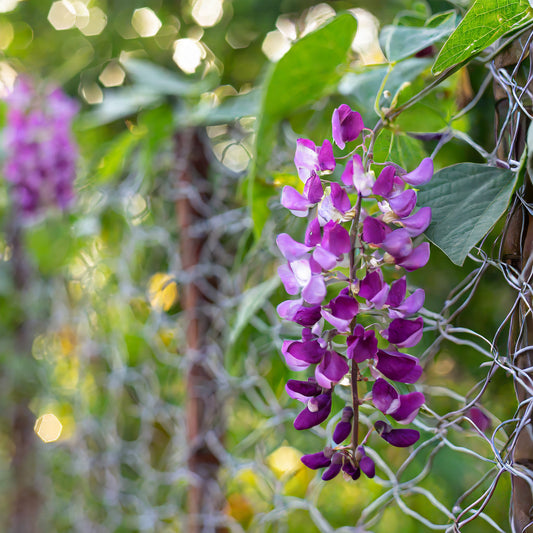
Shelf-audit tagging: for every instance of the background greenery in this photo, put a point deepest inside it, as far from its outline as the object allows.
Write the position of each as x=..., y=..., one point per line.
x=107, y=357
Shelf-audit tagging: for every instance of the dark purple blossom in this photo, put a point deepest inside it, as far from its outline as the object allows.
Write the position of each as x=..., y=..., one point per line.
x=400, y=438
x=398, y=366
x=362, y=345
x=402, y=407
x=331, y=369
x=403, y=332
x=334, y=467
x=344, y=427
x=317, y=410
x=317, y=460
x=366, y=464
x=421, y=174
x=346, y=125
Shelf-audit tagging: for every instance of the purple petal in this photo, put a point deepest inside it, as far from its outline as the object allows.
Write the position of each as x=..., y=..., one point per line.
x=400, y=438
x=418, y=223
x=344, y=306
x=374, y=230
x=336, y=239
x=312, y=234
x=340, y=199
x=325, y=259
x=315, y=291
x=307, y=316
x=313, y=189
x=480, y=419
x=404, y=333
x=417, y=259
x=362, y=345
x=409, y=407
x=346, y=125
x=351, y=470
x=404, y=203
x=384, y=396
x=292, y=362
x=290, y=248
x=421, y=174
x=340, y=324
x=307, y=419
x=398, y=243
x=371, y=284
x=302, y=390
x=308, y=351
x=331, y=369
x=398, y=366
x=397, y=292
x=288, y=279
x=384, y=183
x=367, y=466
x=335, y=467
x=294, y=201
x=326, y=161
x=315, y=460
x=411, y=305
x=342, y=432
x=305, y=158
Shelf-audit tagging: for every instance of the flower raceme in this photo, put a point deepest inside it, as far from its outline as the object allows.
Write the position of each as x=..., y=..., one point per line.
x=41, y=162
x=362, y=230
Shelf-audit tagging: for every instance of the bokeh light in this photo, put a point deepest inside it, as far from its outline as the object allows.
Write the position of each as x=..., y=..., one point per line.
x=96, y=24
x=145, y=22
x=188, y=54
x=62, y=15
x=162, y=291
x=207, y=13
x=48, y=427
x=112, y=76
x=8, y=5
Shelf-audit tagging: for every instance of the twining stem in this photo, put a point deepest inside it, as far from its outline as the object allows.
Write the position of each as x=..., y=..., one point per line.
x=353, y=238
x=355, y=401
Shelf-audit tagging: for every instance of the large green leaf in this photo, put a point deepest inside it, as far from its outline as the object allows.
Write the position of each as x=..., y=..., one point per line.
x=162, y=81
x=399, y=148
x=399, y=42
x=466, y=201
x=303, y=75
x=484, y=23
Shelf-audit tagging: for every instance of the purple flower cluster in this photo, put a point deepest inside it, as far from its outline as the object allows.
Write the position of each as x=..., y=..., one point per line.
x=41, y=152
x=361, y=231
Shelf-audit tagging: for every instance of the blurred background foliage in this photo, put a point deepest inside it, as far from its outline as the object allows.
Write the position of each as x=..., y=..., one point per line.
x=105, y=380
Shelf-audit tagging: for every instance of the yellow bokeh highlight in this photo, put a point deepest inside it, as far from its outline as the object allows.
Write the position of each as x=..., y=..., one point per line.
x=145, y=22
x=162, y=291
x=284, y=460
x=188, y=54
x=48, y=427
x=207, y=13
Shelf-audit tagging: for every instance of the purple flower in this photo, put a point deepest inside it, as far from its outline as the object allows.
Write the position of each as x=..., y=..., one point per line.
x=398, y=243
x=403, y=204
x=344, y=427
x=354, y=175
x=303, y=275
x=404, y=333
x=346, y=125
x=296, y=311
x=334, y=468
x=42, y=154
x=421, y=174
x=400, y=438
x=317, y=460
x=310, y=159
x=384, y=182
x=341, y=311
x=317, y=410
x=362, y=345
x=366, y=464
x=331, y=369
x=303, y=391
x=418, y=223
x=402, y=407
x=479, y=418
x=398, y=366
x=374, y=231
x=374, y=289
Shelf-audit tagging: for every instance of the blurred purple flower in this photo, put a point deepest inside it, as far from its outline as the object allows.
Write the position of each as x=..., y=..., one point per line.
x=346, y=125
x=42, y=153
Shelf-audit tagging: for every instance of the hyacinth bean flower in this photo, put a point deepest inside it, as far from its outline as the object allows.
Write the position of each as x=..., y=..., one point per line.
x=310, y=159
x=358, y=239
x=42, y=153
x=346, y=125
x=402, y=407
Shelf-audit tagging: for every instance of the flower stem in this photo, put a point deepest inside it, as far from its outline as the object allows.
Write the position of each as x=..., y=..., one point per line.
x=355, y=400
x=353, y=238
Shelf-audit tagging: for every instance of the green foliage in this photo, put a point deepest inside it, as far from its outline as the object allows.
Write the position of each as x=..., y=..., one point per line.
x=400, y=42
x=485, y=22
x=466, y=201
x=304, y=74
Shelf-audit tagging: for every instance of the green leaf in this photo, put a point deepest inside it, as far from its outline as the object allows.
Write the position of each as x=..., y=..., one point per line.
x=466, y=201
x=400, y=148
x=252, y=301
x=164, y=82
x=364, y=86
x=304, y=74
x=232, y=108
x=399, y=42
x=484, y=23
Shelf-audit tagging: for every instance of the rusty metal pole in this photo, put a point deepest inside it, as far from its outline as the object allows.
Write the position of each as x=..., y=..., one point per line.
x=204, y=409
